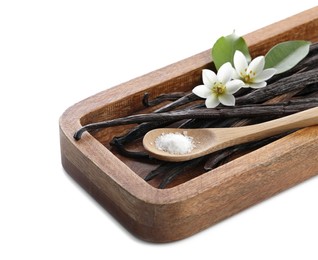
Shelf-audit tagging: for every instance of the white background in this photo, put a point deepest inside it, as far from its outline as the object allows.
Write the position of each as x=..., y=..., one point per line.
x=56, y=53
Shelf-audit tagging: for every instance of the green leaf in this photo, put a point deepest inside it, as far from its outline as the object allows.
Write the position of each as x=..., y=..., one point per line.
x=286, y=55
x=224, y=48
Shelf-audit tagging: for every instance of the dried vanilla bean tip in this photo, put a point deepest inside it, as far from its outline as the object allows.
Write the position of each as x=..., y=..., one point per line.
x=164, y=97
x=180, y=102
x=131, y=154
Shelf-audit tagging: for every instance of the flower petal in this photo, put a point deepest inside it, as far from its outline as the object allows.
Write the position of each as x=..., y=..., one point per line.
x=225, y=73
x=235, y=75
x=202, y=91
x=240, y=63
x=233, y=86
x=265, y=75
x=227, y=99
x=258, y=85
x=212, y=101
x=208, y=77
x=256, y=66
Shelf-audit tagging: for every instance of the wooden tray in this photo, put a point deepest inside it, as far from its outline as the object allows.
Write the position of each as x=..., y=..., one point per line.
x=163, y=215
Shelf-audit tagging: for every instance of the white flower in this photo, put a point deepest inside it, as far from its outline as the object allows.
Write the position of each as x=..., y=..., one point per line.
x=253, y=74
x=218, y=88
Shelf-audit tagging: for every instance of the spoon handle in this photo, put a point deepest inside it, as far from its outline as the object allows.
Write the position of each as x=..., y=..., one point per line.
x=302, y=119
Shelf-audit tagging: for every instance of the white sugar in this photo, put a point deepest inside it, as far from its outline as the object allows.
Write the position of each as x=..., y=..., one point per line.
x=175, y=143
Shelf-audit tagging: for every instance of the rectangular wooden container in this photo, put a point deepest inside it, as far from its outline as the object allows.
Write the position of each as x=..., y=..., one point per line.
x=163, y=215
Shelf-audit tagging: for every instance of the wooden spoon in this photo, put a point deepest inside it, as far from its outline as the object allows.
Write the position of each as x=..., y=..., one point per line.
x=208, y=140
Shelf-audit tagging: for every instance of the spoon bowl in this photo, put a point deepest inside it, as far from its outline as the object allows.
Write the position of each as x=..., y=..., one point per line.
x=209, y=140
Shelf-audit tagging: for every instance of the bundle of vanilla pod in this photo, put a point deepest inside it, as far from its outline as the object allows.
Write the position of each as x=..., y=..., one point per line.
x=287, y=93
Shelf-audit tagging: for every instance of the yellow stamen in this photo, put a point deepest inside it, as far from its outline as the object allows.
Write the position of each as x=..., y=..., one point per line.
x=218, y=89
x=247, y=78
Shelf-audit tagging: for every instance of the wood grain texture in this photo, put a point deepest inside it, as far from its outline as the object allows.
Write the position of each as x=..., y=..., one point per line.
x=175, y=213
